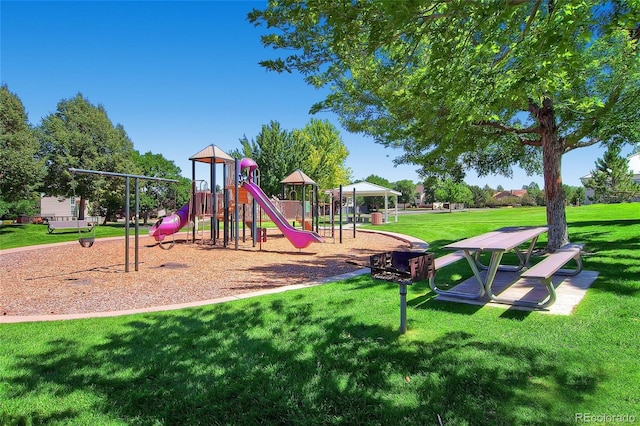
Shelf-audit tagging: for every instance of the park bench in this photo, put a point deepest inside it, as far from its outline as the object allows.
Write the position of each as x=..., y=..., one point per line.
x=552, y=265
x=69, y=224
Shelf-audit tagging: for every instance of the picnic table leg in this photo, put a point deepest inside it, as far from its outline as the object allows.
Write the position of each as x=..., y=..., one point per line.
x=525, y=257
x=469, y=255
x=571, y=272
x=494, y=265
x=457, y=294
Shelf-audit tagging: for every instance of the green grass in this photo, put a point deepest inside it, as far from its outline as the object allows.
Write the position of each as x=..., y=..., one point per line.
x=20, y=235
x=333, y=354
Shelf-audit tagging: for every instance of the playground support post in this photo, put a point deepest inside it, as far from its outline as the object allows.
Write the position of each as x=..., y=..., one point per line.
x=354, y=212
x=340, y=214
x=236, y=209
x=127, y=214
x=193, y=199
x=137, y=225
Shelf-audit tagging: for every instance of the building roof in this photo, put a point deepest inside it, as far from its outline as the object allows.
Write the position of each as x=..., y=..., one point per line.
x=511, y=193
x=298, y=178
x=212, y=154
x=365, y=189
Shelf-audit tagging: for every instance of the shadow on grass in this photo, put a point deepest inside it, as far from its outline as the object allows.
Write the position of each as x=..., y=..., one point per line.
x=612, y=249
x=284, y=361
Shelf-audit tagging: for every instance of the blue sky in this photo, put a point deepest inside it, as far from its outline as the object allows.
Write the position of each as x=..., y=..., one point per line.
x=180, y=76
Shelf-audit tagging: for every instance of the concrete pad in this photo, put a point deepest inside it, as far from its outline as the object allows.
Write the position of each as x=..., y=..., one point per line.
x=569, y=291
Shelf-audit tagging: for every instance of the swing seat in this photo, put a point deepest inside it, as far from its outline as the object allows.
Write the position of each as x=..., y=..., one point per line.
x=86, y=242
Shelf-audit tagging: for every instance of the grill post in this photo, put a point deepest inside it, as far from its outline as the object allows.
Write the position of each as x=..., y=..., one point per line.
x=403, y=308
x=403, y=268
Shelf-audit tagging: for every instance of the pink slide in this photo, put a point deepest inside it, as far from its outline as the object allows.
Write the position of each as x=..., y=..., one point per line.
x=170, y=224
x=300, y=239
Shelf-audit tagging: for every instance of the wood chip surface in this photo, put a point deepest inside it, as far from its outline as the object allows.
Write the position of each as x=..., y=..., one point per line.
x=69, y=279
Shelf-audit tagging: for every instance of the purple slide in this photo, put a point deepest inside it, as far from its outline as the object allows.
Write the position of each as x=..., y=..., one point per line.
x=300, y=239
x=170, y=224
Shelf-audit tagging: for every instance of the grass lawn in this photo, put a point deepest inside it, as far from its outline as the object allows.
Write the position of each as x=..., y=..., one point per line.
x=333, y=354
x=19, y=235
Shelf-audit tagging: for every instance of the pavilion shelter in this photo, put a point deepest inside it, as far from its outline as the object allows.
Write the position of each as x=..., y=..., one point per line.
x=299, y=178
x=211, y=155
x=367, y=189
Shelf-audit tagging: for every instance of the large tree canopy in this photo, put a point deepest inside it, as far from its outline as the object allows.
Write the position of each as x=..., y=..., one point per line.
x=316, y=149
x=21, y=170
x=81, y=135
x=484, y=85
x=325, y=155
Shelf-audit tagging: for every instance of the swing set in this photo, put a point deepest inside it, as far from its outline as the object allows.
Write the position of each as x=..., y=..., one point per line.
x=87, y=241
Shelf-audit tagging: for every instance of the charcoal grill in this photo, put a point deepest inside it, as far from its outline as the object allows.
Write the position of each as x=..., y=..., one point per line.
x=403, y=268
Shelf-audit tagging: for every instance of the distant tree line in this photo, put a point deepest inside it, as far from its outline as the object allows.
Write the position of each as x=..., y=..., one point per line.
x=35, y=160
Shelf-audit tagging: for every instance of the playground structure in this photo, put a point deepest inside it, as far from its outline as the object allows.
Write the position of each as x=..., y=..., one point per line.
x=299, y=238
x=240, y=200
x=298, y=179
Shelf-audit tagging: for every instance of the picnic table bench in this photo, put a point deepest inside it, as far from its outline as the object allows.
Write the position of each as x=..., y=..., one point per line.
x=552, y=265
x=54, y=225
x=497, y=243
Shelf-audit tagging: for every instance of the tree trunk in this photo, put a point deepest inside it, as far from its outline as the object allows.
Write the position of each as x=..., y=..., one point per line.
x=81, y=208
x=552, y=151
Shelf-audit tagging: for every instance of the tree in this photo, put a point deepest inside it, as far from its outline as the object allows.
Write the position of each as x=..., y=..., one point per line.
x=453, y=192
x=429, y=185
x=536, y=194
x=471, y=84
x=158, y=194
x=277, y=154
x=21, y=169
x=326, y=153
x=579, y=196
x=81, y=135
x=479, y=196
x=317, y=150
x=490, y=191
x=408, y=190
x=611, y=181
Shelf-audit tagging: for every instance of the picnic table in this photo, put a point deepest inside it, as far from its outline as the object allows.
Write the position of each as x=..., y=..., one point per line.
x=521, y=240
x=54, y=225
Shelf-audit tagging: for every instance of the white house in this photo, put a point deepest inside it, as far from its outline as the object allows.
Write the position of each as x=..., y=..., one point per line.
x=634, y=166
x=60, y=207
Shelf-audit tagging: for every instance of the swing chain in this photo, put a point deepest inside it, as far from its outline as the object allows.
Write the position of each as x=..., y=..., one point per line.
x=85, y=242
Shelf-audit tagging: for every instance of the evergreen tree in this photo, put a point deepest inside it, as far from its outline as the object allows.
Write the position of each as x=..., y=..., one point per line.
x=611, y=181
